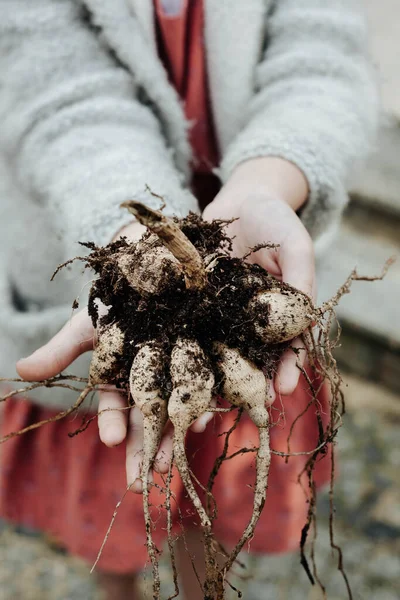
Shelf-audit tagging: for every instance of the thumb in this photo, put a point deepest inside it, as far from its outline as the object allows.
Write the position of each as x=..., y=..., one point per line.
x=75, y=338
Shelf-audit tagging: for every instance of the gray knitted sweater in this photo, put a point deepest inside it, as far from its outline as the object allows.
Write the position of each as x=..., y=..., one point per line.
x=88, y=118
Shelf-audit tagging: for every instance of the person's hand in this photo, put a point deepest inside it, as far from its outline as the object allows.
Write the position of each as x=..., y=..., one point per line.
x=77, y=337
x=263, y=194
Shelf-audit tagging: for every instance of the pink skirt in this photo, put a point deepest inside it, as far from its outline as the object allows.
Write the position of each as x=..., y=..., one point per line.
x=69, y=487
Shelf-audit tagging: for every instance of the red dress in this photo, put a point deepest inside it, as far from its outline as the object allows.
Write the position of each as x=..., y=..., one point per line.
x=69, y=487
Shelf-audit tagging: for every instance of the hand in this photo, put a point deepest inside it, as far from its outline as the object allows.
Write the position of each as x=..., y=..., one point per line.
x=264, y=194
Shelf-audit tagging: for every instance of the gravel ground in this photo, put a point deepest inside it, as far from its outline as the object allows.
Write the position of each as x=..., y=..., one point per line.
x=367, y=527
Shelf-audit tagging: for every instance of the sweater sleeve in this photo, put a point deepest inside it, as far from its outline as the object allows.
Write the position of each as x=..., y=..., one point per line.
x=316, y=102
x=74, y=135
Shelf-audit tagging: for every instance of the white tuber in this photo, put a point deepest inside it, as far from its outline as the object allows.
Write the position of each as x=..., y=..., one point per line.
x=109, y=347
x=144, y=385
x=246, y=386
x=288, y=314
x=192, y=385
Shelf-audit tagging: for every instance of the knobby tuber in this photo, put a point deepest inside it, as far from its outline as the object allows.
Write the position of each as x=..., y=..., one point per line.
x=186, y=322
x=245, y=386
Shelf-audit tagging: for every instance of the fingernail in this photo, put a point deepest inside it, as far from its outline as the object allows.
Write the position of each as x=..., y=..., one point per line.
x=136, y=486
x=29, y=356
x=112, y=437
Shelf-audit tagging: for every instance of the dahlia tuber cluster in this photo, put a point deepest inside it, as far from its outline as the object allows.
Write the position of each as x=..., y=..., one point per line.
x=186, y=323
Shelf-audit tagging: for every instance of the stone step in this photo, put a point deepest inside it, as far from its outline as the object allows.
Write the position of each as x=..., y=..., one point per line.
x=370, y=314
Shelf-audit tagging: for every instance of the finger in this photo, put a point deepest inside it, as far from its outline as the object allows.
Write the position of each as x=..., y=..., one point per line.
x=51, y=359
x=201, y=423
x=134, y=450
x=164, y=454
x=112, y=421
x=297, y=263
x=288, y=373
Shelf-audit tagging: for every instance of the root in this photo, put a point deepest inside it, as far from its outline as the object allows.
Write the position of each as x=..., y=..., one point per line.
x=260, y=495
x=86, y=422
x=334, y=546
x=61, y=415
x=152, y=549
x=109, y=528
x=57, y=381
x=209, y=551
x=170, y=541
x=218, y=462
x=354, y=276
x=182, y=466
x=66, y=263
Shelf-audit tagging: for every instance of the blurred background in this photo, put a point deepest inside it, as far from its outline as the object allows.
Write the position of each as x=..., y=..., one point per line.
x=368, y=486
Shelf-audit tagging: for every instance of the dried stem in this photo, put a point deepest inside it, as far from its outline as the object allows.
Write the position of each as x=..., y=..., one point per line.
x=174, y=240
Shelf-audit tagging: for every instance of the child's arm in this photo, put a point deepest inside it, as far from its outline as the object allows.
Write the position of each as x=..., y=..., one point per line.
x=316, y=104
x=74, y=134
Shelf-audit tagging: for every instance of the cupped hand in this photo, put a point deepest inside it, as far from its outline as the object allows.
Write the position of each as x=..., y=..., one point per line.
x=263, y=195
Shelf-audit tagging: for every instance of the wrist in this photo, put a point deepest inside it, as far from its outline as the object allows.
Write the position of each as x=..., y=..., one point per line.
x=272, y=176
